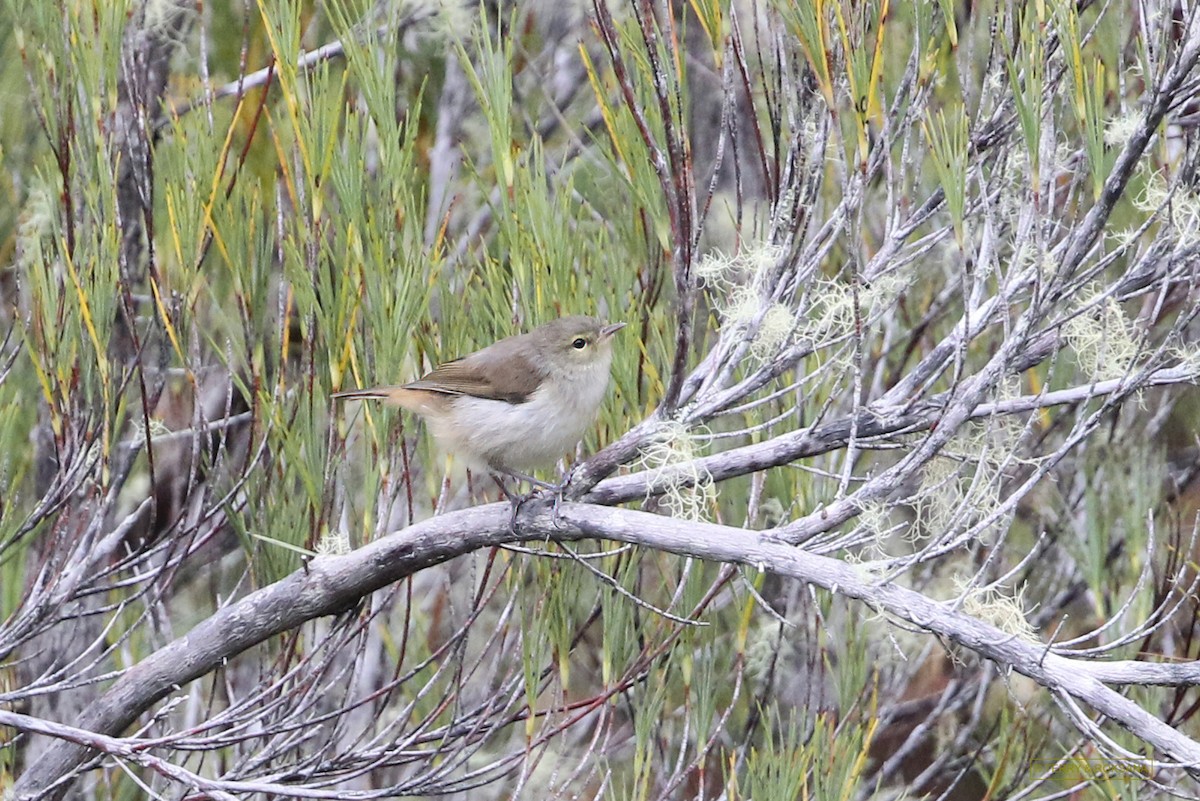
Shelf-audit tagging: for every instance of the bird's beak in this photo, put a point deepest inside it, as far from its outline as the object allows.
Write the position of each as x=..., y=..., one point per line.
x=608, y=330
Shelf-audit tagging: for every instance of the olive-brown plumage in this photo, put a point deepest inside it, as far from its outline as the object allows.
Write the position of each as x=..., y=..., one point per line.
x=518, y=404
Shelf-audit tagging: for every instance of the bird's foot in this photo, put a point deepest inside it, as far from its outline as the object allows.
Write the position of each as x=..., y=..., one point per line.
x=556, y=490
x=514, y=499
x=539, y=488
x=537, y=482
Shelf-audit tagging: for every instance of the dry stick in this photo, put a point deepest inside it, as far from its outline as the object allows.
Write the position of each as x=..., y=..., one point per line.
x=674, y=176
x=332, y=584
x=184, y=658
x=817, y=440
x=262, y=77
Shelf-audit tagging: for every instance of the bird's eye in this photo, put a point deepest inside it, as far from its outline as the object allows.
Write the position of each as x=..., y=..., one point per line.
x=579, y=344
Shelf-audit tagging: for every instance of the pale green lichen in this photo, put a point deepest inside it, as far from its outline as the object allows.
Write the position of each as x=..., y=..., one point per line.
x=716, y=271
x=739, y=288
x=156, y=428
x=876, y=517
x=741, y=306
x=35, y=225
x=687, y=489
x=762, y=645
x=993, y=440
x=1123, y=237
x=777, y=325
x=333, y=543
x=747, y=270
x=831, y=312
x=1189, y=359
x=1121, y=129
x=1005, y=611
x=955, y=494
x=870, y=564
x=1103, y=339
x=166, y=20
x=1051, y=264
x=439, y=20
x=1183, y=205
x=940, y=498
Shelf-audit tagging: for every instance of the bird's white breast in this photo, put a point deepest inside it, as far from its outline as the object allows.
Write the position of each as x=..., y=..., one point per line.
x=524, y=436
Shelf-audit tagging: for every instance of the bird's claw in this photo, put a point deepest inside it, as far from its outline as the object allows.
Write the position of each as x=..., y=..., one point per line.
x=540, y=488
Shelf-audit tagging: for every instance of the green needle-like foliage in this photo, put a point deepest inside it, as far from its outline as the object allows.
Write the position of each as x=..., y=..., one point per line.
x=911, y=306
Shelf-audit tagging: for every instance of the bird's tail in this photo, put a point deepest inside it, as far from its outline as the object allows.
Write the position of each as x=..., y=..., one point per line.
x=381, y=393
x=413, y=400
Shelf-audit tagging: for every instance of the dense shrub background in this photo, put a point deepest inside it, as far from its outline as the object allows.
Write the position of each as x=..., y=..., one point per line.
x=894, y=493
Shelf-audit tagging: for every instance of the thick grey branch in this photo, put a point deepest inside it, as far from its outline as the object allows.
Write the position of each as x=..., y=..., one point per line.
x=332, y=584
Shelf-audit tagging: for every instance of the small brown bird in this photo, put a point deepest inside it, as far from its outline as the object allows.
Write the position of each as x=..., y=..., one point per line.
x=518, y=404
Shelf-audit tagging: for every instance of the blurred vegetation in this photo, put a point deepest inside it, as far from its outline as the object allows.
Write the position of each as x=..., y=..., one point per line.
x=464, y=173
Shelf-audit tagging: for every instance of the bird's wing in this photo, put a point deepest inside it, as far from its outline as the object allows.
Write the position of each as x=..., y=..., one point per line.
x=505, y=375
